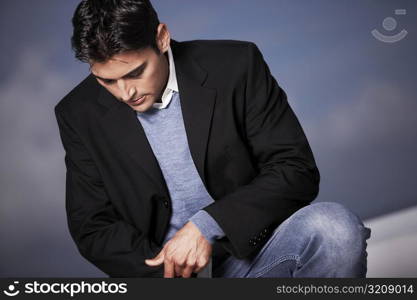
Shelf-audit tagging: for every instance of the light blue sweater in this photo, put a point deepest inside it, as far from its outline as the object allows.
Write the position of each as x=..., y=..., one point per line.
x=165, y=131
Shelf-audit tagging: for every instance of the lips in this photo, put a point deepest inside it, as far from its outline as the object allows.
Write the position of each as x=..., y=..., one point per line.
x=138, y=101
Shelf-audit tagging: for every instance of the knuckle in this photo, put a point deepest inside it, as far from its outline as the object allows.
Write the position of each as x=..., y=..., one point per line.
x=178, y=261
x=181, y=264
x=201, y=264
x=190, y=263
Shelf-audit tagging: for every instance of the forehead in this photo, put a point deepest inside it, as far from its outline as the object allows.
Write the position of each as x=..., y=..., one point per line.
x=121, y=63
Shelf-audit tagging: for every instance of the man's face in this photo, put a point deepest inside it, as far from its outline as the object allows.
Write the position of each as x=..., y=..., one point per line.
x=137, y=78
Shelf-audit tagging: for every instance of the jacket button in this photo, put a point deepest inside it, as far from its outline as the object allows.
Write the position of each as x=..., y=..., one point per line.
x=166, y=203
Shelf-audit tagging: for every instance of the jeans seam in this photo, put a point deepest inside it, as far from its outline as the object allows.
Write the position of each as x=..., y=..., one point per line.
x=276, y=262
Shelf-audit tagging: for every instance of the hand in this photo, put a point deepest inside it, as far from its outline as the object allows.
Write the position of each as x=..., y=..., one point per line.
x=188, y=251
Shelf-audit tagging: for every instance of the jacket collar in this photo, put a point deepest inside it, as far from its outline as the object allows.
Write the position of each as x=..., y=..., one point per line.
x=172, y=85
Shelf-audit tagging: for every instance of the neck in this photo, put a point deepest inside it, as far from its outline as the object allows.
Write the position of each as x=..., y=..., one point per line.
x=166, y=77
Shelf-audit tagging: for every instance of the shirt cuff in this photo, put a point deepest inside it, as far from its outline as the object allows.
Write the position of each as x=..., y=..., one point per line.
x=207, y=225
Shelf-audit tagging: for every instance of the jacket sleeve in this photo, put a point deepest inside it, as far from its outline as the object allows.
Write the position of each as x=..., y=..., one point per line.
x=288, y=178
x=101, y=236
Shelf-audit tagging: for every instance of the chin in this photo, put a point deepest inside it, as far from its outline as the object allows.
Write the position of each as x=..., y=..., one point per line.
x=143, y=107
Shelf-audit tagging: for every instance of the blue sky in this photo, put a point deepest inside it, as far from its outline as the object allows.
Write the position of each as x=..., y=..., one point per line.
x=354, y=96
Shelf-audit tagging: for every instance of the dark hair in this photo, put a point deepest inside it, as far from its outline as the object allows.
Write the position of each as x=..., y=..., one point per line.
x=103, y=28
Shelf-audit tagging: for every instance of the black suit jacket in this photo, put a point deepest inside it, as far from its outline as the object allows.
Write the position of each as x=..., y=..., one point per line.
x=247, y=145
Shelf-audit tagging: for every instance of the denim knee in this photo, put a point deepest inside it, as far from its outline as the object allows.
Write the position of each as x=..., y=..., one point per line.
x=336, y=229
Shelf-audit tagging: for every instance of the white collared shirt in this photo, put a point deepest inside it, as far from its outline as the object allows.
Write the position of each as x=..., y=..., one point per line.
x=172, y=85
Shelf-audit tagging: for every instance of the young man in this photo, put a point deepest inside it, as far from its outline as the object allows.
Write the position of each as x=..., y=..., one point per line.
x=179, y=154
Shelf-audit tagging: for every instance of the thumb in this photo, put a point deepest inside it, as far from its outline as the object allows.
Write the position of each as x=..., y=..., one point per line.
x=157, y=260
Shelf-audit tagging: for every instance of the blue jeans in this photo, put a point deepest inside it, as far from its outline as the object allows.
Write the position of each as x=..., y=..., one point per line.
x=323, y=239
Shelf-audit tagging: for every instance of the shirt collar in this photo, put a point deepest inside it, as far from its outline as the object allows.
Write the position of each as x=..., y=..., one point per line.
x=172, y=85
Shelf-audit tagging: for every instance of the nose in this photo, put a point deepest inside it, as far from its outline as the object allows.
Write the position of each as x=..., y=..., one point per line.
x=126, y=93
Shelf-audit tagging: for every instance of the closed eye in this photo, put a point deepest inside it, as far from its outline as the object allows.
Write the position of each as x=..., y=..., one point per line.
x=108, y=81
x=134, y=74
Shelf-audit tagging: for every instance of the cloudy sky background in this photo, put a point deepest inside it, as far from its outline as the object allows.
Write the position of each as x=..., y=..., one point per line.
x=354, y=95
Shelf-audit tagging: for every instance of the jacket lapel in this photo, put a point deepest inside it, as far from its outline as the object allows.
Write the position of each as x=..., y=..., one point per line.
x=197, y=105
x=125, y=131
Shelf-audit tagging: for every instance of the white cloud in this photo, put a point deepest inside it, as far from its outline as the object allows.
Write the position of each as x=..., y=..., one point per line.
x=366, y=150
x=382, y=114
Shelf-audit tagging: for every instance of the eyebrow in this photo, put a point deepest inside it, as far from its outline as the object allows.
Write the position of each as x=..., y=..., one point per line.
x=137, y=69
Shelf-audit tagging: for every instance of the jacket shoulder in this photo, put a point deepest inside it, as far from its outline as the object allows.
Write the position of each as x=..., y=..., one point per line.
x=223, y=59
x=79, y=97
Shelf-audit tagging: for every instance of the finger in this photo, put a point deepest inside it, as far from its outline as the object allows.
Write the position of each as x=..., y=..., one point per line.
x=178, y=270
x=186, y=273
x=202, y=258
x=179, y=265
x=157, y=260
x=200, y=265
x=189, y=266
x=169, y=271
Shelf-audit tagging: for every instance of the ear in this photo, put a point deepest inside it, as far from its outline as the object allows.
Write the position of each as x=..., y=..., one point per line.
x=163, y=38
